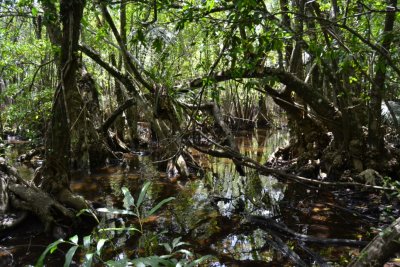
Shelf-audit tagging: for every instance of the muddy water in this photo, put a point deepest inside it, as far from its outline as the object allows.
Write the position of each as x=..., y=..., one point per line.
x=208, y=211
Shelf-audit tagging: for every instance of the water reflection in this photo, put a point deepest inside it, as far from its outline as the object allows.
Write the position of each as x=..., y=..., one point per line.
x=253, y=193
x=207, y=211
x=204, y=210
x=244, y=247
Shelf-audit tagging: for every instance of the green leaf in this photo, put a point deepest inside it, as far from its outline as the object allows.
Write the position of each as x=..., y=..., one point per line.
x=120, y=263
x=181, y=244
x=143, y=193
x=69, y=255
x=176, y=241
x=100, y=245
x=210, y=4
x=159, y=205
x=115, y=211
x=86, y=241
x=157, y=45
x=167, y=247
x=128, y=199
x=140, y=35
x=138, y=263
x=180, y=25
x=198, y=261
x=119, y=229
x=74, y=239
x=35, y=11
x=88, y=260
x=51, y=247
x=152, y=261
x=185, y=251
x=82, y=211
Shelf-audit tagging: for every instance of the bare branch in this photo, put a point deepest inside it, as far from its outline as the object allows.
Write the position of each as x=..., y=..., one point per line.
x=127, y=104
x=122, y=46
x=124, y=79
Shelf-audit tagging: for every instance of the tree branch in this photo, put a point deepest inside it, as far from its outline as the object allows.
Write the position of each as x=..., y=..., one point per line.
x=125, y=53
x=312, y=97
x=227, y=152
x=124, y=79
x=127, y=104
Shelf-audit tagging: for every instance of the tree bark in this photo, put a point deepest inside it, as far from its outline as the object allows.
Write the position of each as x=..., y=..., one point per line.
x=381, y=248
x=56, y=174
x=375, y=134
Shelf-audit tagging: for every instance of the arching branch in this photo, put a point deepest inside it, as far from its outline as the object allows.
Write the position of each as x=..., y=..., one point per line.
x=310, y=95
x=127, y=104
x=124, y=79
x=123, y=47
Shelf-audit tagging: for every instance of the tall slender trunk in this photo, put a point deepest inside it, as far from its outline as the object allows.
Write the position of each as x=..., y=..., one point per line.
x=130, y=112
x=284, y=6
x=375, y=134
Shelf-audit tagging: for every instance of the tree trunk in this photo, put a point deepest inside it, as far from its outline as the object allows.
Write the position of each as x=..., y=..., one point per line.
x=131, y=116
x=56, y=174
x=375, y=134
x=53, y=202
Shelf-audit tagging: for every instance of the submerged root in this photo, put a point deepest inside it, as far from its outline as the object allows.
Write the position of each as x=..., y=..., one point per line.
x=19, y=198
x=11, y=220
x=72, y=200
x=45, y=207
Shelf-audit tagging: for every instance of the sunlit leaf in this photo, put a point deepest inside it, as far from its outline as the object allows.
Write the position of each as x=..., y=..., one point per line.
x=86, y=241
x=88, y=260
x=115, y=211
x=100, y=245
x=128, y=199
x=74, y=239
x=185, y=251
x=35, y=11
x=210, y=4
x=119, y=229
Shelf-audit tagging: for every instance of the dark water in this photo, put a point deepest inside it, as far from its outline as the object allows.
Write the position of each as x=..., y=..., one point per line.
x=208, y=211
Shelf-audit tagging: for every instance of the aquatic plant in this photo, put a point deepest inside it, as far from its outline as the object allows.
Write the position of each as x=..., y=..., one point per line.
x=92, y=245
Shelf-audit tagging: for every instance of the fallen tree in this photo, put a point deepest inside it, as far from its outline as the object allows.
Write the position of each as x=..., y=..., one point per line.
x=381, y=249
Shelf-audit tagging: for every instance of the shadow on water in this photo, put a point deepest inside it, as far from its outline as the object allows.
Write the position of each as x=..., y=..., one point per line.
x=208, y=211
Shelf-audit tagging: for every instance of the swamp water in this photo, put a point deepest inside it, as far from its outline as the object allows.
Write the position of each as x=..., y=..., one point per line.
x=207, y=212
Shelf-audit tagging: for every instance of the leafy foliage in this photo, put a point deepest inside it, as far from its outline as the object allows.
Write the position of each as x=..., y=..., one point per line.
x=93, y=245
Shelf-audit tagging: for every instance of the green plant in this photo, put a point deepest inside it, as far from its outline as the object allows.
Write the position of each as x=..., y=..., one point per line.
x=73, y=241
x=176, y=256
x=392, y=183
x=93, y=244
